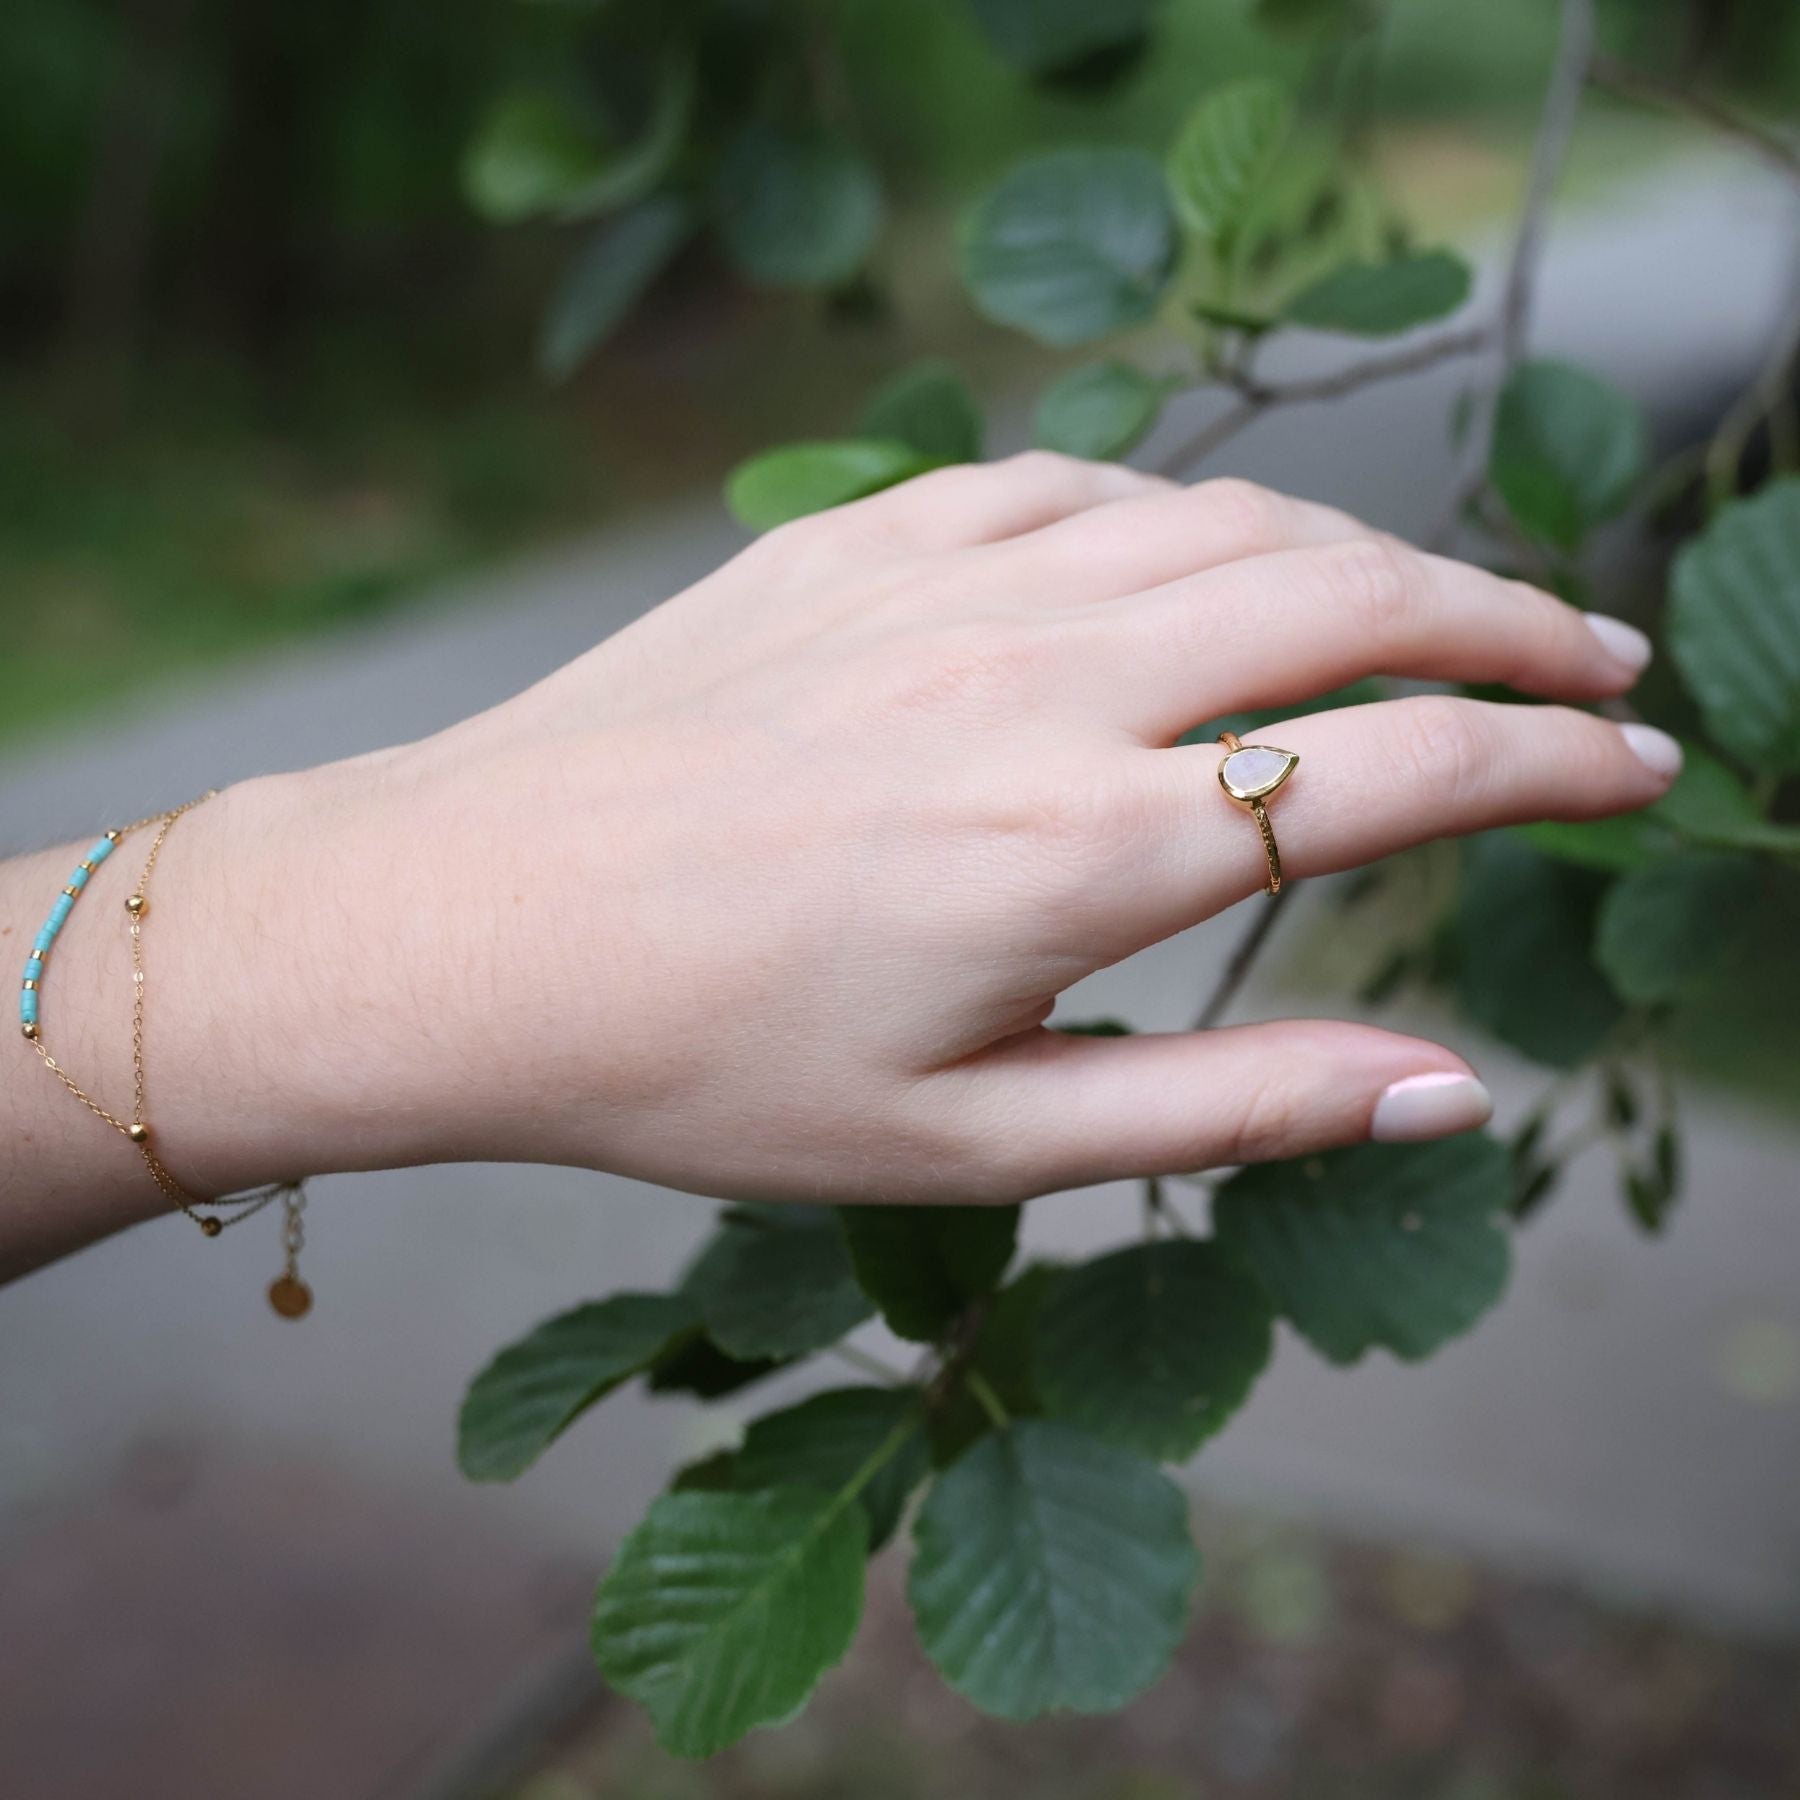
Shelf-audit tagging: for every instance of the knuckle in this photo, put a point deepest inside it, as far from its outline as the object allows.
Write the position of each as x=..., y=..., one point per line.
x=1268, y=1122
x=1378, y=582
x=1446, y=746
x=988, y=666
x=1249, y=512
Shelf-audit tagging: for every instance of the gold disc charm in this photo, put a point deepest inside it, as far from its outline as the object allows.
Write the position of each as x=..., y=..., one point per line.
x=290, y=1296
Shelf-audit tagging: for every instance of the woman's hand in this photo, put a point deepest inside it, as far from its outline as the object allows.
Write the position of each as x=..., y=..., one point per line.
x=771, y=893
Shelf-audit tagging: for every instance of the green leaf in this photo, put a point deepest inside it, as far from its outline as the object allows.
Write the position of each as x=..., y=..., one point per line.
x=1153, y=1347
x=796, y=209
x=798, y=479
x=534, y=1390
x=1222, y=155
x=1395, y=1245
x=607, y=279
x=1052, y=1572
x=1100, y=410
x=1381, y=299
x=776, y=1282
x=1734, y=625
x=1568, y=449
x=1095, y=1028
x=823, y=1442
x=1664, y=928
x=923, y=1264
x=1042, y=37
x=721, y=1611
x=1004, y=1357
x=1071, y=246
x=530, y=157
x=929, y=407
x=1524, y=929
x=1709, y=805
x=1627, y=841
x=533, y=159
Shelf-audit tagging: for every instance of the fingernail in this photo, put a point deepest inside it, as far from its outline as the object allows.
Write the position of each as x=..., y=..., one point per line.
x=1429, y=1106
x=1623, y=643
x=1656, y=750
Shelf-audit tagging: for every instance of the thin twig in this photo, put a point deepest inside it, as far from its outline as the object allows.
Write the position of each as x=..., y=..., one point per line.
x=868, y=1365
x=1765, y=396
x=1655, y=90
x=1549, y=153
x=1231, y=977
x=1256, y=397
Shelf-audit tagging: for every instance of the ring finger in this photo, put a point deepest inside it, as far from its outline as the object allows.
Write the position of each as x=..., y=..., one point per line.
x=1372, y=780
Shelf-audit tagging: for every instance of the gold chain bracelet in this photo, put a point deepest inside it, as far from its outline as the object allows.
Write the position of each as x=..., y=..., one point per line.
x=288, y=1294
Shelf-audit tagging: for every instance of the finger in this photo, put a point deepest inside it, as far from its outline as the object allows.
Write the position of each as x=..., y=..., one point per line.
x=1372, y=780
x=1085, y=1109
x=1144, y=540
x=1272, y=630
x=980, y=503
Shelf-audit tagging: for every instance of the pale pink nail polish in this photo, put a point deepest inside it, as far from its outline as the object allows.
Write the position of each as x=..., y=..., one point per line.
x=1429, y=1106
x=1656, y=750
x=1623, y=643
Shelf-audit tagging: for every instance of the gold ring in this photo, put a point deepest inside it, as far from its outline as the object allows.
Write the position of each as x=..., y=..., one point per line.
x=1250, y=774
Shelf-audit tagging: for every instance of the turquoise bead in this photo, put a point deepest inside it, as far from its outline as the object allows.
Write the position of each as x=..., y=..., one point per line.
x=34, y=968
x=59, y=914
x=43, y=941
x=100, y=850
x=78, y=880
x=28, y=1006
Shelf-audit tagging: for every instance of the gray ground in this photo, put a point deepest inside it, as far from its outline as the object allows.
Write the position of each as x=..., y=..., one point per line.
x=1602, y=1422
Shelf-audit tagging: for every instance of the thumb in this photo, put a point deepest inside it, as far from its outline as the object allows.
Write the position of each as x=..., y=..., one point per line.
x=1088, y=1109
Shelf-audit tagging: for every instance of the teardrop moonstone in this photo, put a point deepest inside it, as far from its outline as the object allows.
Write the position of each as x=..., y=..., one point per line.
x=1256, y=771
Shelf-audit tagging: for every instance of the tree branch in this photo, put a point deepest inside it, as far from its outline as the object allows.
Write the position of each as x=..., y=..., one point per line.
x=1256, y=397
x=1549, y=153
x=1654, y=90
x=1231, y=977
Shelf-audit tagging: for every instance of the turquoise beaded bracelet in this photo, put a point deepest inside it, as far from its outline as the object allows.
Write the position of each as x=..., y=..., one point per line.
x=97, y=853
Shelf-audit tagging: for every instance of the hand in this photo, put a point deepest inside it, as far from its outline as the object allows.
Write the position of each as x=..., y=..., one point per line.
x=772, y=893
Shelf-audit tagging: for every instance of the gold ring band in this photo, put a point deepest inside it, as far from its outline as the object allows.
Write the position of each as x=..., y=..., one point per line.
x=1250, y=774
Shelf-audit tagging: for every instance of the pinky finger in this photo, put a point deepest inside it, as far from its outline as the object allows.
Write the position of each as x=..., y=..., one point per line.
x=1102, y=1109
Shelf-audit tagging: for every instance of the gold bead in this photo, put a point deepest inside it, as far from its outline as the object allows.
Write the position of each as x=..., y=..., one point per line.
x=137, y=906
x=31, y=987
x=290, y=1296
x=139, y=1134
x=112, y=837
x=212, y=1227
x=29, y=1030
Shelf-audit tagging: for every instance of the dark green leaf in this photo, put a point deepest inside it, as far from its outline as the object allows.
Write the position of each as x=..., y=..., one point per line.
x=1222, y=155
x=1153, y=1347
x=776, y=1283
x=824, y=1441
x=1394, y=1245
x=1664, y=928
x=534, y=1390
x=1096, y=1028
x=1380, y=299
x=1524, y=930
x=1734, y=625
x=1648, y=1201
x=796, y=209
x=1043, y=37
x=1052, y=1572
x=607, y=279
x=1071, y=245
x=928, y=406
x=1568, y=449
x=799, y=479
x=1627, y=841
x=922, y=1265
x=721, y=1611
x=1100, y=410
x=1232, y=318
x=696, y=1365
